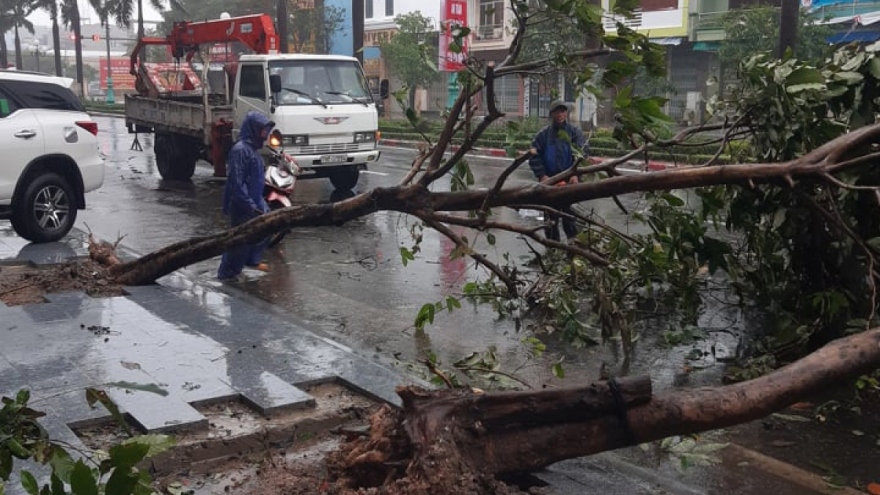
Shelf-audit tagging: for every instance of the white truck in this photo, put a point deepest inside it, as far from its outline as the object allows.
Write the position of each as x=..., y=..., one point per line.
x=321, y=103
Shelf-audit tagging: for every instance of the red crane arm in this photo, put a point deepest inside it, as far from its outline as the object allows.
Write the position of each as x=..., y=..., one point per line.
x=255, y=31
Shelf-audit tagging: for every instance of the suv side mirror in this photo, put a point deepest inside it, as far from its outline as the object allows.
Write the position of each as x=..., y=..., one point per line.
x=275, y=83
x=383, y=89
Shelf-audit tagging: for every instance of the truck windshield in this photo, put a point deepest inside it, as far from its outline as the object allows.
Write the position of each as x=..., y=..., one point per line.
x=320, y=82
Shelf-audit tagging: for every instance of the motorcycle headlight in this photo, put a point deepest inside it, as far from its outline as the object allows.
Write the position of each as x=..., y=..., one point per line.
x=364, y=137
x=275, y=139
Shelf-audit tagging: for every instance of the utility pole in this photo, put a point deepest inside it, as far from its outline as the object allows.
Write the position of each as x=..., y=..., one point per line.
x=789, y=18
x=281, y=22
x=111, y=98
x=357, y=29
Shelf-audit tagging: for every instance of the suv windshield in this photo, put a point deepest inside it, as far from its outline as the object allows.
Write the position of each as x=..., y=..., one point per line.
x=320, y=82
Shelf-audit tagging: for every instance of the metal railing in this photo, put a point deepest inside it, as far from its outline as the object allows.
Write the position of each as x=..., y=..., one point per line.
x=707, y=20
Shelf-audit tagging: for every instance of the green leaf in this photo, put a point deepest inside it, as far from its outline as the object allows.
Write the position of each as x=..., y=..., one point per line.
x=5, y=464
x=82, y=480
x=452, y=302
x=57, y=485
x=156, y=443
x=29, y=483
x=805, y=75
x=558, y=371
x=848, y=77
x=122, y=481
x=406, y=255
x=128, y=454
x=62, y=464
x=874, y=67
x=797, y=88
x=426, y=315
x=490, y=238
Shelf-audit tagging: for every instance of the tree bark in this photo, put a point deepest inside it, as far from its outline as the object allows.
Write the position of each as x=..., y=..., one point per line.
x=56, y=45
x=494, y=434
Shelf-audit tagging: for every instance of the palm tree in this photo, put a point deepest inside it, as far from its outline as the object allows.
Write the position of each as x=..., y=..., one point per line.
x=51, y=6
x=14, y=15
x=70, y=17
x=122, y=11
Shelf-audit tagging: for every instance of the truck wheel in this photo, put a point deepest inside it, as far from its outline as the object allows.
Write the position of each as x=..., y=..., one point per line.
x=46, y=211
x=175, y=157
x=345, y=178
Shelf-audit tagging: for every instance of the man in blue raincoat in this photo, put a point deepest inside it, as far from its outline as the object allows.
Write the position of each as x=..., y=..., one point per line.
x=243, y=195
x=553, y=153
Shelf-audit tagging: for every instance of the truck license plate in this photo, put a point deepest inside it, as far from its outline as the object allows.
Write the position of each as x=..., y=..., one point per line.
x=334, y=159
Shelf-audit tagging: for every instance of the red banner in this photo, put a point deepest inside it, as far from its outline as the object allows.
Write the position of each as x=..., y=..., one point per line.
x=119, y=68
x=454, y=16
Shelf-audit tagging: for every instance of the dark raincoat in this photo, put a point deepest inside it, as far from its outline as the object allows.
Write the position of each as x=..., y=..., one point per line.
x=554, y=152
x=243, y=194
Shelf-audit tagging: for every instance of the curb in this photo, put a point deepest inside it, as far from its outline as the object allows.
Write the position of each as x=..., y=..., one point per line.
x=651, y=166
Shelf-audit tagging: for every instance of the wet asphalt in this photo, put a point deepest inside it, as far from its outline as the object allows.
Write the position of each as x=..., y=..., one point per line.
x=348, y=285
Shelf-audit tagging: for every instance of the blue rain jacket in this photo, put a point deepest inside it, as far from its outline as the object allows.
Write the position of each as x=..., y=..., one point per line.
x=243, y=195
x=554, y=151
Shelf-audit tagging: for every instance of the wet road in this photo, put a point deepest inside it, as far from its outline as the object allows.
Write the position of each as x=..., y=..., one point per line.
x=348, y=282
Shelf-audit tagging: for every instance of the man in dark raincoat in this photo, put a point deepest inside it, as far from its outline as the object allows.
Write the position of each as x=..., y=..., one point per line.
x=553, y=153
x=243, y=195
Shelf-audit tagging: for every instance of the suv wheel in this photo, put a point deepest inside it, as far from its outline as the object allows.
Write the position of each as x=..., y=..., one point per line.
x=46, y=211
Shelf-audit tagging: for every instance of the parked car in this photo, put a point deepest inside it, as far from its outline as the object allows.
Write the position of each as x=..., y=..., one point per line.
x=50, y=155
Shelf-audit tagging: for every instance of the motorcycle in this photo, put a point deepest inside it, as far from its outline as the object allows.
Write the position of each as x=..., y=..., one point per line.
x=279, y=180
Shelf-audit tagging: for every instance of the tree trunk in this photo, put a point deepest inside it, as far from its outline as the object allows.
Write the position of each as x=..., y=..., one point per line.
x=19, y=63
x=789, y=18
x=441, y=433
x=56, y=46
x=4, y=52
x=77, y=32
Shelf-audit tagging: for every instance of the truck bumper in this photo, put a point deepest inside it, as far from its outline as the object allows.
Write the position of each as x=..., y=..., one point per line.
x=335, y=160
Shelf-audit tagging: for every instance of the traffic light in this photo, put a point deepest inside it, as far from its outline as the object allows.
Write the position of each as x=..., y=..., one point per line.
x=96, y=37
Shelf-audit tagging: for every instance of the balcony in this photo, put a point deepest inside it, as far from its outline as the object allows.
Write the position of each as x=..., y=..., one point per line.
x=706, y=26
x=610, y=21
x=488, y=32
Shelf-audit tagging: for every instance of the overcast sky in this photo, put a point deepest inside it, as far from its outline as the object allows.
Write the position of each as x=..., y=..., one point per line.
x=41, y=18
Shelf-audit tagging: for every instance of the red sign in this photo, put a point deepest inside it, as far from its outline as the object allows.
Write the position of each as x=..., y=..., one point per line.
x=119, y=68
x=454, y=16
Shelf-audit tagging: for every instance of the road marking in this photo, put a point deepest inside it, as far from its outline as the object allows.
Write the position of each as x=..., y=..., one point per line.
x=373, y=172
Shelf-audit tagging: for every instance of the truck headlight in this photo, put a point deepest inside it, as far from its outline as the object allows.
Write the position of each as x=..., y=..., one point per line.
x=365, y=137
x=296, y=140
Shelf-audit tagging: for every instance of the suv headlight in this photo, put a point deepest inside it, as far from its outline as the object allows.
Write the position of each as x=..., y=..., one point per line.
x=296, y=140
x=365, y=137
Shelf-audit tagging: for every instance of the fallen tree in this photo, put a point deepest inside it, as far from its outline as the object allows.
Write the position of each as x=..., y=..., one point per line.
x=440, y=438
x=440, y=435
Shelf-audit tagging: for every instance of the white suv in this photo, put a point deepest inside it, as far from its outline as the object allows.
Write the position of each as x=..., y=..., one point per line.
x=49, y=155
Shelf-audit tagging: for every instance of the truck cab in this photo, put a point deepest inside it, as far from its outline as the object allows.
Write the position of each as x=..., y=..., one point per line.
x=322, y=105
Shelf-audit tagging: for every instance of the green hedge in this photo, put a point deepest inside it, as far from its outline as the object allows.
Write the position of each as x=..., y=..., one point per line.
x=601, y=142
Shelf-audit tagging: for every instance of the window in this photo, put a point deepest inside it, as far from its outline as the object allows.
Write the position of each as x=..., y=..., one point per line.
x=30, y=94
x=389, y=8
x=308, y=82
x=253, y=82
x=507, y=93
x=492, y=13
x=7, y=105
x=368, y=9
